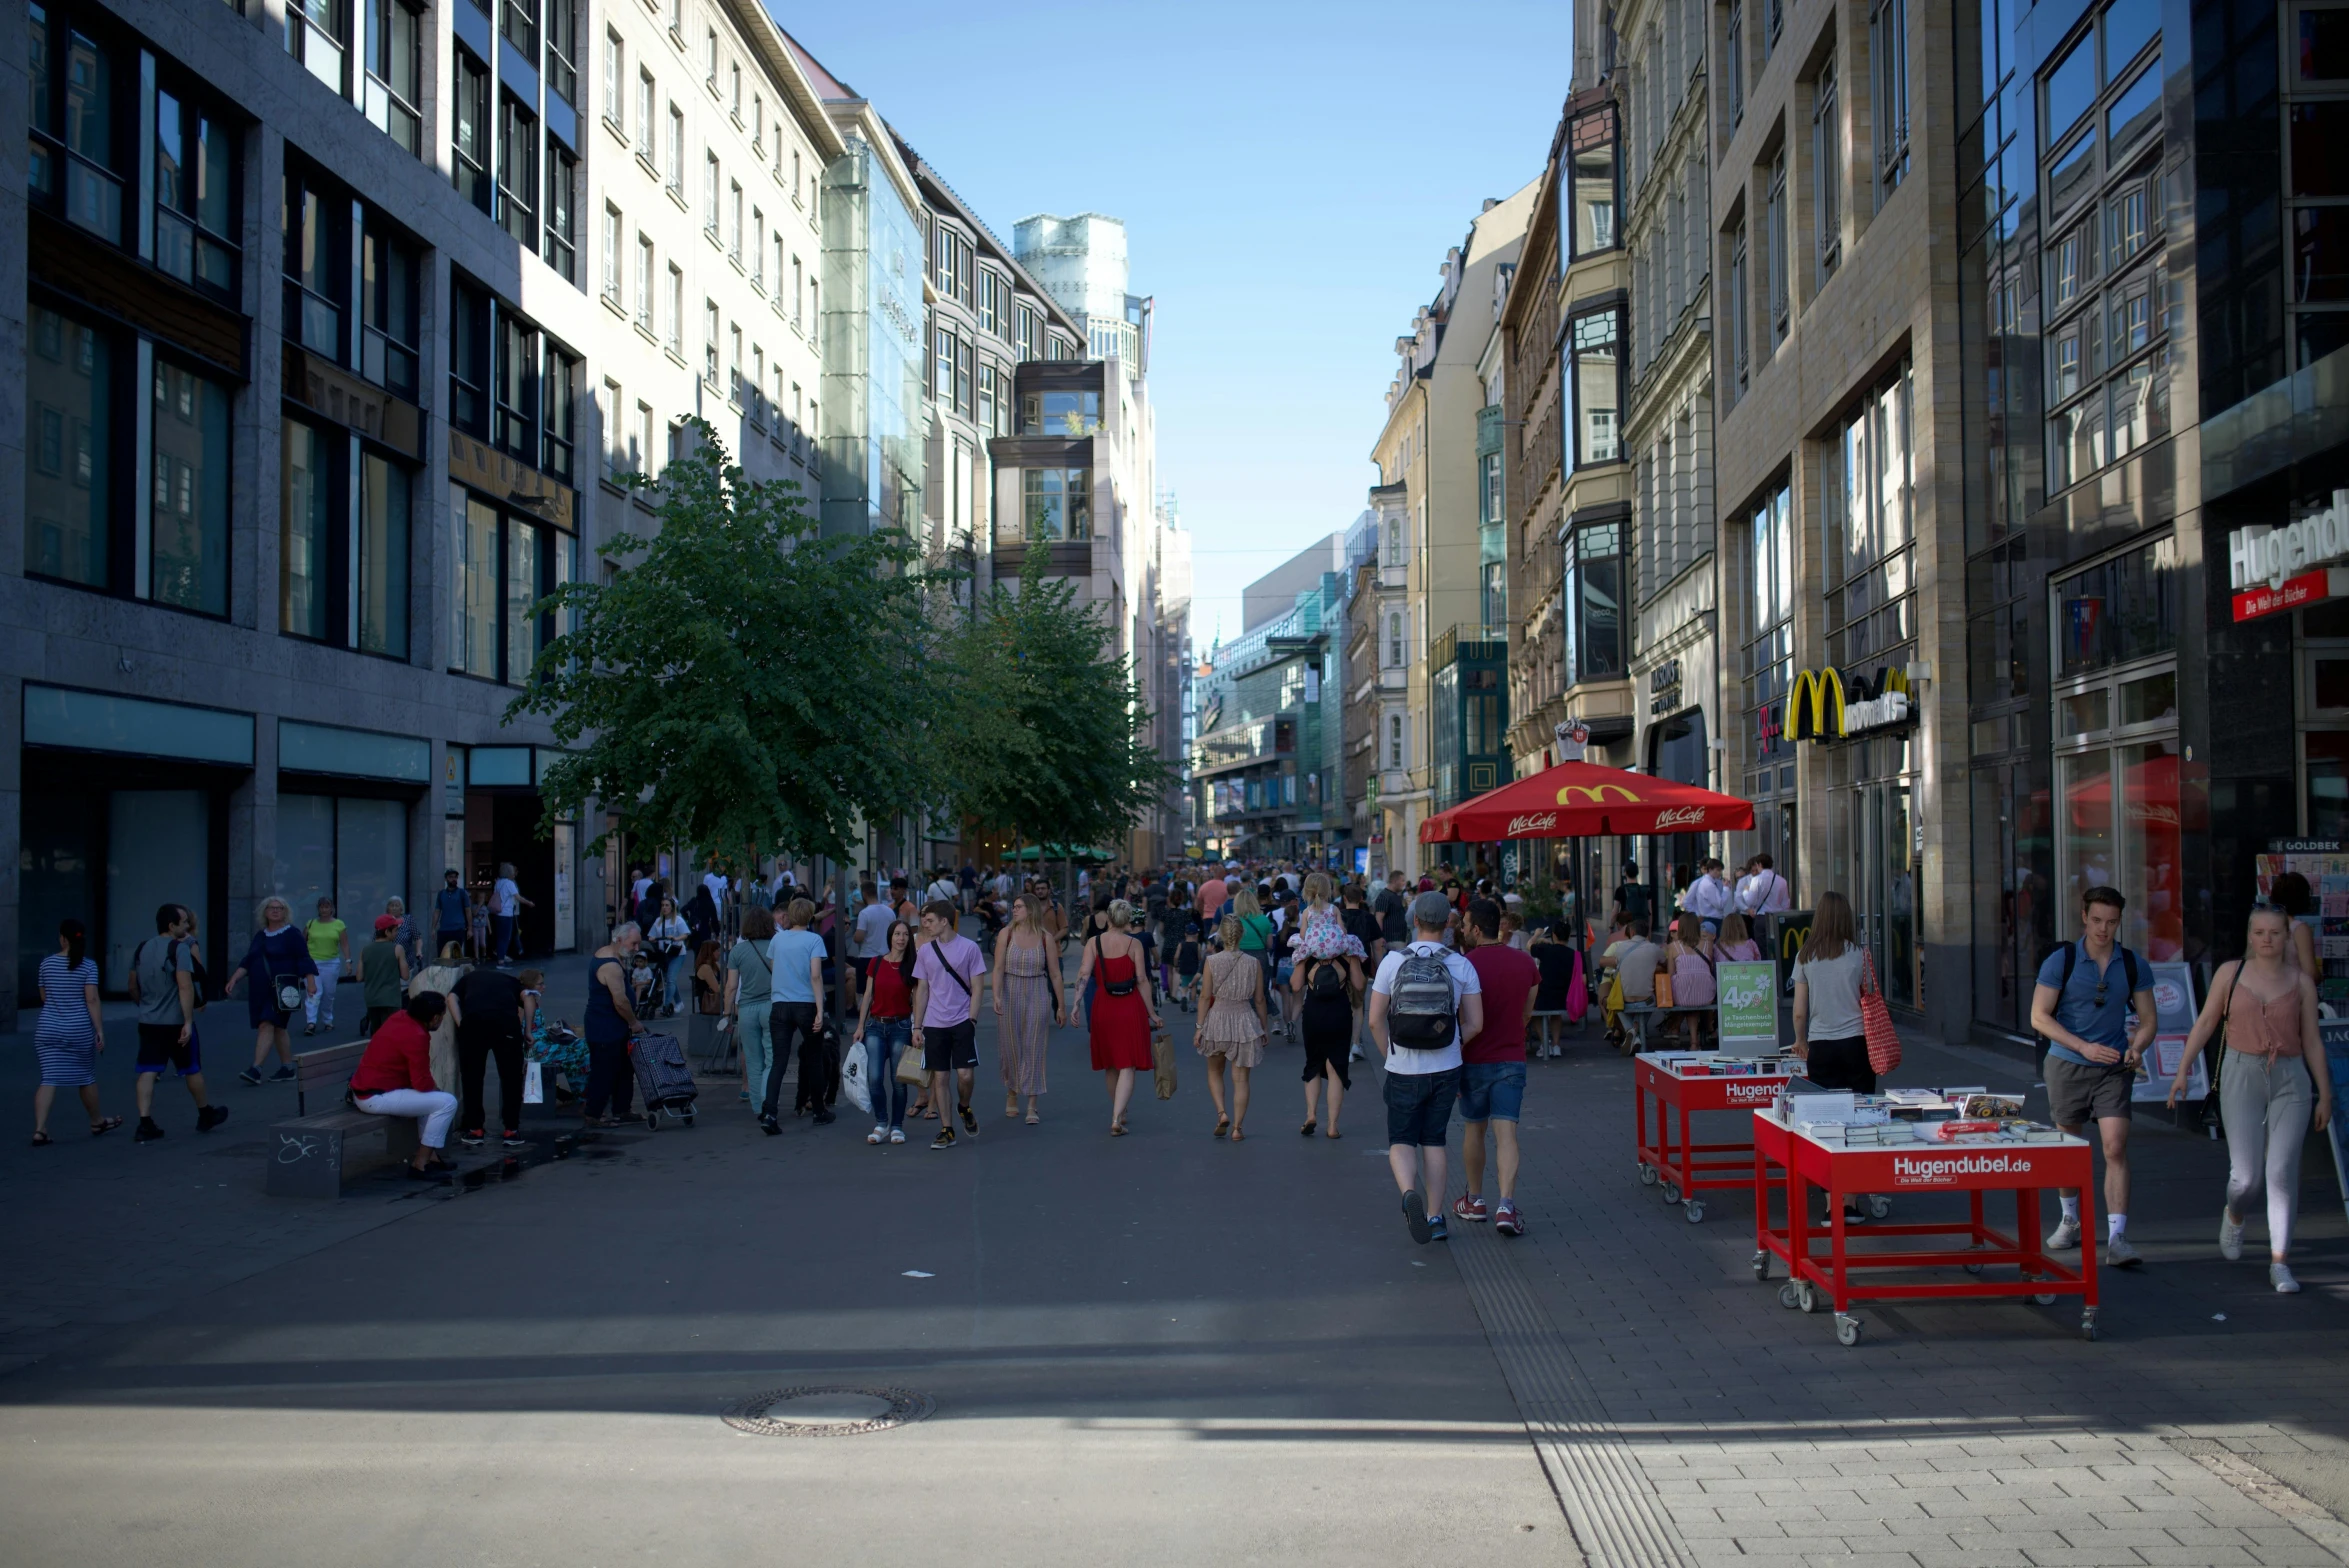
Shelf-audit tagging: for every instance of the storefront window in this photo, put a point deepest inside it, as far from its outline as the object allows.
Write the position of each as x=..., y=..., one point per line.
x=189, y=515
x=69, y=467
x=2119, y=610
x=352, y=850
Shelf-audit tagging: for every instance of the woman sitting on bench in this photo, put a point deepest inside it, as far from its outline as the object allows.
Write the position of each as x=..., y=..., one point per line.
x=395, y=1079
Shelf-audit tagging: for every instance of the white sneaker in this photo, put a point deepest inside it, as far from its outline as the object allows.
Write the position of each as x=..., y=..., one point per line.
x=2065, y=1236
x=876, y=1135
x=897, y=1135
x=2281, y=1277
x=2230, y=1236
x=2118, y=1254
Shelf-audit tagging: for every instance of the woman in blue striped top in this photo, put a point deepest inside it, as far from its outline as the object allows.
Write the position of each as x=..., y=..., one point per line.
x=70, y=1034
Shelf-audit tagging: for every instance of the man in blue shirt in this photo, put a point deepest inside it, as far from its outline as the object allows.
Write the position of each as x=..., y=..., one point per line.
x=796, y=959
x=452, y=912
x=2086, y=993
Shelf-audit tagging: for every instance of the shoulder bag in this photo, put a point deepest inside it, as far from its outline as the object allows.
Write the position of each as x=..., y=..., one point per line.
x=1876, y=1020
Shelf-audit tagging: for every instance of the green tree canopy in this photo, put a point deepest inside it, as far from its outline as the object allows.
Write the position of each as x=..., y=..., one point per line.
x=741, y=679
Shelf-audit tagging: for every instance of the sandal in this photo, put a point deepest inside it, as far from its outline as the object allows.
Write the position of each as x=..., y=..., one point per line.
x=1117, y=1129
x=42, y=1140
x=1011, y=1106
x=1307, y=1129
x=1034, y=1119
x=1237, y=1135
x=1223, y=1124
x=1333, y=1133
x=98, y=1129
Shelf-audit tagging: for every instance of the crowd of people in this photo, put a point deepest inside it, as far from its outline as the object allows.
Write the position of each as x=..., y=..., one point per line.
x=1446, y=977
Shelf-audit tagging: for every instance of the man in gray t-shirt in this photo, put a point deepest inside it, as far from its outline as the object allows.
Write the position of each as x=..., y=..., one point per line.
x=872, y=931
x=163, y=983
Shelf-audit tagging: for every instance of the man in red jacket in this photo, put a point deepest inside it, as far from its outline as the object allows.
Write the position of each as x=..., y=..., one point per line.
x=395, y=1079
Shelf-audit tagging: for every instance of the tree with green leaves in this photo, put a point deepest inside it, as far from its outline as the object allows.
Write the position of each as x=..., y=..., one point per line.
x=741, y=680
x=1045, y=737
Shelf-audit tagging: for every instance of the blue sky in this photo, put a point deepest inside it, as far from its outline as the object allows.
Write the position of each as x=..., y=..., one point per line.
x=1290, y=177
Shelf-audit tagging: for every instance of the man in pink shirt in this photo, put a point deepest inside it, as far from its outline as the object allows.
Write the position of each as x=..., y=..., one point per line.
x=946, y=976
x=1212, y=894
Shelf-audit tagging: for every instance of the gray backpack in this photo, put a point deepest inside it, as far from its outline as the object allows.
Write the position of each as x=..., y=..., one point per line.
x=1422, y=1014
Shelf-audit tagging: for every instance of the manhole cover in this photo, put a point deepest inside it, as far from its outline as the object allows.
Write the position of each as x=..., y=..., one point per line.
x=827, y=1412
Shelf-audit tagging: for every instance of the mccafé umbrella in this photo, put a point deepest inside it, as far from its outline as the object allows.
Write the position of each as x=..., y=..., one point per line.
x=1586, y=800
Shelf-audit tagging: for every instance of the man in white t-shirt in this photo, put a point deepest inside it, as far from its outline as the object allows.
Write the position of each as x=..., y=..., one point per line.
x=716, y=881
x=1409, y=1007
x=872, y=931
x=506, y=904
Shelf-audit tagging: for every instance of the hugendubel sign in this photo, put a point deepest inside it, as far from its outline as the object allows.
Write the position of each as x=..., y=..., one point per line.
x=2277, y=569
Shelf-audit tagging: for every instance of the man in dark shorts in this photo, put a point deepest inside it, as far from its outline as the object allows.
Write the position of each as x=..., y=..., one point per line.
x=946, y=980
x=1423, y=1080
x=2081, y=1007
x=1492, y=1066
x=163, y=983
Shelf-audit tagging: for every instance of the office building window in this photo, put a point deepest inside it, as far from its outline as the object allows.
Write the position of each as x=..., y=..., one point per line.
x=383, y=555
x=518, y=170
x=1774, y=256
x=390, y=339
x=188, y=502
x=195, y=196
x=559, y=406
x=514, y=419
x=1888, y=48
x=1596, y=376
x=507, y=562
x=1769, y=619
x=1055, y=504
x=709, y=362
x=676, y=342
x=1733, y=63
x=962, y=376
x=987, y=400
x=1826, y=172
x=471, y=114
x=316, y=33
x=612, y=253
x=1595, y=578
x=942, y=373
x=317, y=263
x=519, y=23
x=69, y=474
x=305, y=568
x=562, y=42
x=644, y=284
x=562, y=185
x=469, y=358
x=80, y=166
x=1868, y=541
x=1740, y=307
x=1030, y=340
x=1591, y=212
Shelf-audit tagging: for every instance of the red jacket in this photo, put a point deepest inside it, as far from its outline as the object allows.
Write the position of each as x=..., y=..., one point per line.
x=399, y=1057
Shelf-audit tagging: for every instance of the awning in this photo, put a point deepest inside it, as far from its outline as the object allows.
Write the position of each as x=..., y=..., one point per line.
x=1586, y=800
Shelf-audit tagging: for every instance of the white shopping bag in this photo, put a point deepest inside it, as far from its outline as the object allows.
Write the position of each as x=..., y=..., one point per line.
x=533, y=1086
x=852, y=1080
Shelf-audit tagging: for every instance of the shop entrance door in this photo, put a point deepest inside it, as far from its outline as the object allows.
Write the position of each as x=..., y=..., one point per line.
x=1879, y=824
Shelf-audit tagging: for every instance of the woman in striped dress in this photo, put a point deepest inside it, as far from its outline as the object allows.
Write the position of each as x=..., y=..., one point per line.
x=70, y=1034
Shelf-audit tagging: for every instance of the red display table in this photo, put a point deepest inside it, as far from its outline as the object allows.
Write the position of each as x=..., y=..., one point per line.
x=1823, y=1267
x=1687, y=1168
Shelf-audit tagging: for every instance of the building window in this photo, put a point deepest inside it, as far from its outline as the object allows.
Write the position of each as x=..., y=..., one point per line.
x=756, y=386
x=709, y=351
x=1733, y=63
x=559, y=410
x=1594, y=580
x=514, y=418
x=317, y=264
x=1595, y=372
x=1740, y=290
x=1396, y=657
x=316, y=33
x=518, y=170
x=519, y=25
x=991, y=290
x=1394, y=740
x=469, y=359
x=1888, y=48
x=188, y=503
x=195, y=196
x=1056, y=504
x=987, y=400
x=734, y=94
x=562, y=40
x=69, y=472
x=383, y=555
x=305, y=569
x=1827, y=171
x=734, y=221
x=471, y=113
x=758, y=250
x=2316, y=114
x=1774, y=227
x=677, y=152
x=758, y=124
x=615, y=76
x=1769, y=619
x=506, y=564
x=709, y=194
x=390, y=338
x=1030, y=334
x=676, y=311
x=615, y=436
x=644, y=284
x=734, y=390
x=646, y=147
x=395, y=72
x=612, y=253
x=1072, y=414
x=78, y=161
x=562, y=238
x=962, y=377
x=1592, y=151
x=710, y=59
x=1868, y=541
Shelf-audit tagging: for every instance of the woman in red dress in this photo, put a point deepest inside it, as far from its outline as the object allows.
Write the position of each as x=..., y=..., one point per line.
x=1122, y=1016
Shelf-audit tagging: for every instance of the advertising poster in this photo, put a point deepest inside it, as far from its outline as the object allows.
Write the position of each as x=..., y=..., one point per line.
x=2173, y=1019
x=1748, y=1005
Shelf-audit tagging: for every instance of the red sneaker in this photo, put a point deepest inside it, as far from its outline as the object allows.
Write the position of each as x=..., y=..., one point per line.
x=1469, y=1207
x=1508, y=1221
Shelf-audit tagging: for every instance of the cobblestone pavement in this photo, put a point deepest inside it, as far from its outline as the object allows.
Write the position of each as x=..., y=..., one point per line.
x=1202, y=1350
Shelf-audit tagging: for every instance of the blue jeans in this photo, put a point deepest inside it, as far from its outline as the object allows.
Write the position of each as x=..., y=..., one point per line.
x=885, y=1040
x=673, y=976
x=1492, y=1091
x=502, y=945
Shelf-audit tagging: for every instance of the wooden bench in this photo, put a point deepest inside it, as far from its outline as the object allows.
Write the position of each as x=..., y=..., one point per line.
x=312, y=1155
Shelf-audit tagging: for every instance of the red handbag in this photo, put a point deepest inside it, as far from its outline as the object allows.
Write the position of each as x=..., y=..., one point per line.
x=1876, y=1020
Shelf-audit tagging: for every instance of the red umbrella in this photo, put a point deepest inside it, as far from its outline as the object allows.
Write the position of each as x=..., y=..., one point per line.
x=1586, y=800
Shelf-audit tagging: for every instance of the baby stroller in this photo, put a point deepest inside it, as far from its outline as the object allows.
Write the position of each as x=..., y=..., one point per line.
x=663, y=1077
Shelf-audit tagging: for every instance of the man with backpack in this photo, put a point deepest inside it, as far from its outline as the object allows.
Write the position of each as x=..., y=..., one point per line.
x=1492, y=1067
x=2081, y=1008
x=1425, y=998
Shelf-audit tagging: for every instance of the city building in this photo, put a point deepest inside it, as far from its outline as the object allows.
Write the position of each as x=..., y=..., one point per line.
x=1840, y=466
x=329, y=322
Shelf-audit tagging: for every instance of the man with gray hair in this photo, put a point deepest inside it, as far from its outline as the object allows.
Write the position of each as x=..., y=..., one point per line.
x=1424, y=999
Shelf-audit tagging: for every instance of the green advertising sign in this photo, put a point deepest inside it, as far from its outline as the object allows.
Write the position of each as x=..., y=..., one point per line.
x=1749, y=1004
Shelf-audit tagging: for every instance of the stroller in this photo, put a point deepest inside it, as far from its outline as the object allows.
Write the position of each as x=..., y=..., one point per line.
x=663, y=1077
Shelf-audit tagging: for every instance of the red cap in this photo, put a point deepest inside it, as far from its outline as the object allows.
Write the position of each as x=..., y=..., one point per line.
x=385, y=923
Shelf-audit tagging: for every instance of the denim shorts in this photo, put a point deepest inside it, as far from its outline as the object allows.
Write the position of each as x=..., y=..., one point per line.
x=1418, y=1106
x=1492, y=1091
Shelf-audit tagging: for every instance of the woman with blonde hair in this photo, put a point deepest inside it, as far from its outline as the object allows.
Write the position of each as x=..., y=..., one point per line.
x=1028, y=1001
x=2273, y=1086
x=282, y=970
x=1122, y=1016
x=1231, y=1023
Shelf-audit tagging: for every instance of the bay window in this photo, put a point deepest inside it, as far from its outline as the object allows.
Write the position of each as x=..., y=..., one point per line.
x=1595, y=375
x=1592, y=151
x=1594, y=579
x=1055, y=504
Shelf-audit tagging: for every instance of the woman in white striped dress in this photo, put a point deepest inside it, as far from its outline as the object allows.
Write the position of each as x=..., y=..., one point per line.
x=70, y=1034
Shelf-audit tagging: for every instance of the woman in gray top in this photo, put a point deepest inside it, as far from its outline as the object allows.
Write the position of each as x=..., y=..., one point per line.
x=1828, y=1035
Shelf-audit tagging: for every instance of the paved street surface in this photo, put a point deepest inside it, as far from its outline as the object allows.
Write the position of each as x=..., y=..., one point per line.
x=1157, y=1349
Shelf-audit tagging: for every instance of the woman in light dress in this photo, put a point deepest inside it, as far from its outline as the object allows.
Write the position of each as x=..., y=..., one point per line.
x=1028, y=1001
x=1231, y=1024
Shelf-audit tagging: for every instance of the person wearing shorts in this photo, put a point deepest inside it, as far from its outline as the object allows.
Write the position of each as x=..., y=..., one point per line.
x=1492, y=1070
x=946, y=975
x=1422, y=1084
x=2092, y=1055
x=163, y=983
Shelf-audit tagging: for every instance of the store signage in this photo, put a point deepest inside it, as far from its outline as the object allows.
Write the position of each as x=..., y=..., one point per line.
x=2275, y=555
x=1664, y=687
x=1572, y=738
x=1946, y=1170
x=2326, y=582
x=1749, y=1010
x=1679, y=817
x=1818, y=707
x=1530, y=823
x=503, y=479
x=1597, y=794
